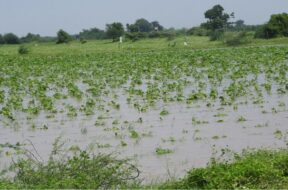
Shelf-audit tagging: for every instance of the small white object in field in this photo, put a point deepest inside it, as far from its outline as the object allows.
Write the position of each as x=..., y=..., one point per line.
x=120, y=39
x=185, y=44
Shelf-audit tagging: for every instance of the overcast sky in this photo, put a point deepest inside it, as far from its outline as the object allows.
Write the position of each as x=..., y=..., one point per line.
x=46, y=17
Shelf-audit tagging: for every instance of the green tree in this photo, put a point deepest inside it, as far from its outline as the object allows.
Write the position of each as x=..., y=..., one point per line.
x=93, y=33
x=157, y=25
x=142, y=25
x=132, y=28
x=217, y=19
x=114, y=30
x=31, y=38
x=217, y=22
x=279, y=22
x=277, y=26
x=2, y=41
x=11, y=38
x=63, y=37
x=239, y=24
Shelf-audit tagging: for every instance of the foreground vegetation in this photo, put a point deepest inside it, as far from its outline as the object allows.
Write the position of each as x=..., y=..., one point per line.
x=253, y=170
x=263, y=169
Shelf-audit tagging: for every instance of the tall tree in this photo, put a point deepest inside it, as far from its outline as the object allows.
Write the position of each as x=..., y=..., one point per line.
x=217, y=22
x=114, y=30
x=217, y=18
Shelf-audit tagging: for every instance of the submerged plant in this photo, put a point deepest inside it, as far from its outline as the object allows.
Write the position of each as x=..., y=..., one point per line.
x=160, y=151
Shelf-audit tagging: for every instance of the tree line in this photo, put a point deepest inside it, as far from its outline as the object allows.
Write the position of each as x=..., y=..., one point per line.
x=218, y=22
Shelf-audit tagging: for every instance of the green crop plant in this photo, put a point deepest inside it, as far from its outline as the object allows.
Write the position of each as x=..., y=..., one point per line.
x=161, y=151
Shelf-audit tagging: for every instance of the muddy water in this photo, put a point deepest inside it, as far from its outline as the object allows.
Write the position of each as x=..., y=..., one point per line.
x=193, y=132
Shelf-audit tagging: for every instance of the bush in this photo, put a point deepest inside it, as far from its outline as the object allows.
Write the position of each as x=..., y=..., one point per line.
x=23, y=50
x=93, y=172
x=132, y=36
x=83, y=41
x=170, y=36
x=198, y=31
x=253, y=170
x=235, y=39
x=155, y=34
x=81, y=171
x=266, y=32
x=135, y=36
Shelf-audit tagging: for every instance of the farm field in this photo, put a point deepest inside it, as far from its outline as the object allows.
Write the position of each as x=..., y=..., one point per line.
x=168, y=109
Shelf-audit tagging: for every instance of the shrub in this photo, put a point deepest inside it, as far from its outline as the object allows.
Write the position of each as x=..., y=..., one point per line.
x=81, y=171
x=198, y=31
x=83, y=41
x=155, y=34
x=23, y=50
x=253, y=170
x=135, y=36
x=235, y=39
x=170, y=36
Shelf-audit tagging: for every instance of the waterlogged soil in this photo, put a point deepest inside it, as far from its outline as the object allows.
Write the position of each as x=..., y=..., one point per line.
x=193, y=133
x=164, y=118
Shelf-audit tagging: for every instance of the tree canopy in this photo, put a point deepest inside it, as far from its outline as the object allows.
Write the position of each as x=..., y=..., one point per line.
x=143, y=25
x=217, y=18
x=140, y=25
x=31, y=38
x=114, y=30
x=93, y=33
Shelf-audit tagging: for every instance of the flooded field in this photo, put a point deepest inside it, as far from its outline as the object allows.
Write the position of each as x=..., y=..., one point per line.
x=167, y=111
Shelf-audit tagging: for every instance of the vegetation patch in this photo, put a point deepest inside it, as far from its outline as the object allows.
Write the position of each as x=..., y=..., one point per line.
x=253, y=170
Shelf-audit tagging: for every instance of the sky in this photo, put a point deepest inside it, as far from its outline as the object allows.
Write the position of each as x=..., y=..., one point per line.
x=46, y=17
